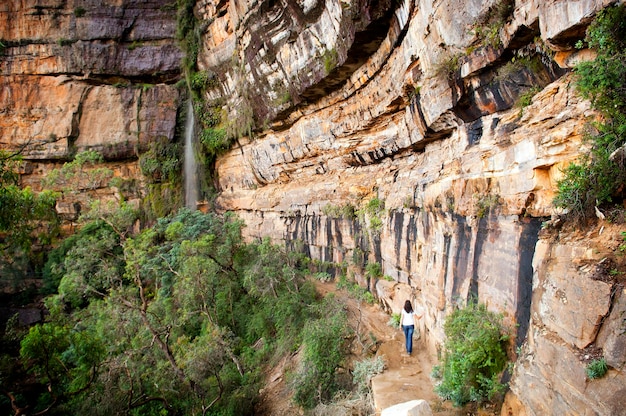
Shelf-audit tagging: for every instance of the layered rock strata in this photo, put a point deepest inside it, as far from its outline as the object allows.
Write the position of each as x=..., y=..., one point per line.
x=81, y=76
x=398, y=132
x=426, y=118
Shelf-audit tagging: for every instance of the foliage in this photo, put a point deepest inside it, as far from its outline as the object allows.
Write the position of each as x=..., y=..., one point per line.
x=187, y=34
x=79, y=11
x=162, y=162
x=488, y=26
x=345, y=211
x=394, y=320
x=27, y=217
x=525, y=99
x=597, y=368
x=355, y=290
x=484, y=203
x=87, y=264
x=201, y=80
x=366, y=369
x=374, y=270
x=595, y=178
x=330, y=59
x=80, y=174
x=371, y=213
x=168, y=321
x=474, y=355
x=448, y=66
x=324, y=342
x=214, y=140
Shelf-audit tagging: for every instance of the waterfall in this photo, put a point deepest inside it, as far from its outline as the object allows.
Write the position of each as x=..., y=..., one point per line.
x=191, y=166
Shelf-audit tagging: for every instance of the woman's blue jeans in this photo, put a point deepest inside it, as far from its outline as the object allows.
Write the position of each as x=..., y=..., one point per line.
x=408, y=336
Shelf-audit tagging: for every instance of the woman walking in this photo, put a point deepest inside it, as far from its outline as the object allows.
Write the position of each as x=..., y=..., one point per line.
x=407, y=324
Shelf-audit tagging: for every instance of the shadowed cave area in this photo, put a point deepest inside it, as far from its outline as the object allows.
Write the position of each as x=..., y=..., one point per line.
x=365, y=44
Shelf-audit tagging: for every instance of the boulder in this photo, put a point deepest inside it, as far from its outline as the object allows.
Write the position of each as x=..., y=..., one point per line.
x=412, y=408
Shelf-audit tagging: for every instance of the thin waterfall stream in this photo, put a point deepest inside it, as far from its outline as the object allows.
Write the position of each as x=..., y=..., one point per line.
x=191, y=165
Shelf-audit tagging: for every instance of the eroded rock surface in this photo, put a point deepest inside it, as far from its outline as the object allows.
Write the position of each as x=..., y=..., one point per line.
x=430, y=123
x=87, y=76
x=353, y=101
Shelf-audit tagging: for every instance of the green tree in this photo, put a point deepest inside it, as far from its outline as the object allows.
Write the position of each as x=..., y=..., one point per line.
x=27, y=217
x=325, y=342
x=172, y=312
x=80, y=174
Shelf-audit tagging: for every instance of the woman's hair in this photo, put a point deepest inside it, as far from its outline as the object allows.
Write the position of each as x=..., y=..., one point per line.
x=407, y=306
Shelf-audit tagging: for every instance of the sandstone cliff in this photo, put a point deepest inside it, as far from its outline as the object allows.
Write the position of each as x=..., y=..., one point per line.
x=411, y=103
x=87, y=76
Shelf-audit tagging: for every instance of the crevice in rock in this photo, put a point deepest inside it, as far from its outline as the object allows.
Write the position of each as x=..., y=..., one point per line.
x=528, y=241
x=75, y=124
x=461, y=257
x=482, y=234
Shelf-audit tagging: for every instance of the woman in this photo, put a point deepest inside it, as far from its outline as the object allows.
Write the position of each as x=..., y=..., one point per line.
x=407, y=324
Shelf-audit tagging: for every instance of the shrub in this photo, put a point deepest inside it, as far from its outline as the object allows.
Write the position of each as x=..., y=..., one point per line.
x=525, y=98
x=485, y=203
x=394, y=320
x=474, y=356
x=487, y=26
x=331, y=58
x=345, y=211
x=324, y=341
x=597, y=368
x=370, y=214
x=595, y=179
x=449, y=66
x=162, y=161
x=214, y=140
x=365, y=370
x=373, y=270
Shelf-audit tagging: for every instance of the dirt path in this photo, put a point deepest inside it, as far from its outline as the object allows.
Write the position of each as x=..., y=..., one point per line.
x=405, y=377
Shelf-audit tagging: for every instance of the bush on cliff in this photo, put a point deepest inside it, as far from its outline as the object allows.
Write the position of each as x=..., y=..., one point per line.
x=599, y=176
x=474, y=356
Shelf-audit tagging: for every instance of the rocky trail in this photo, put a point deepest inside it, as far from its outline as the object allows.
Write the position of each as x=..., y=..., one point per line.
x=405, y=377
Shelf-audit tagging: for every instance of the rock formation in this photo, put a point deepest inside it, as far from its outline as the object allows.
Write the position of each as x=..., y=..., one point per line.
x=398, y=132
x=412, y=104
x=99, y=76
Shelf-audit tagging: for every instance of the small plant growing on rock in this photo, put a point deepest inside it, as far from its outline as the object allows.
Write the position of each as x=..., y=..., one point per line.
x=79, y=11
x=345, y=211
x=365, y=370
x=374, y=208
x=373, y=270
x=394, y=320
x=487, y=27
x=597, y=368
x=330, y=58
x=485, y=203
x=449, y=66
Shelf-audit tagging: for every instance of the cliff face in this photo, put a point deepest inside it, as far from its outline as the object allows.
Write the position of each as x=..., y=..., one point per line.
x=81, y=76
x=411, y=103
x=355, y=103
